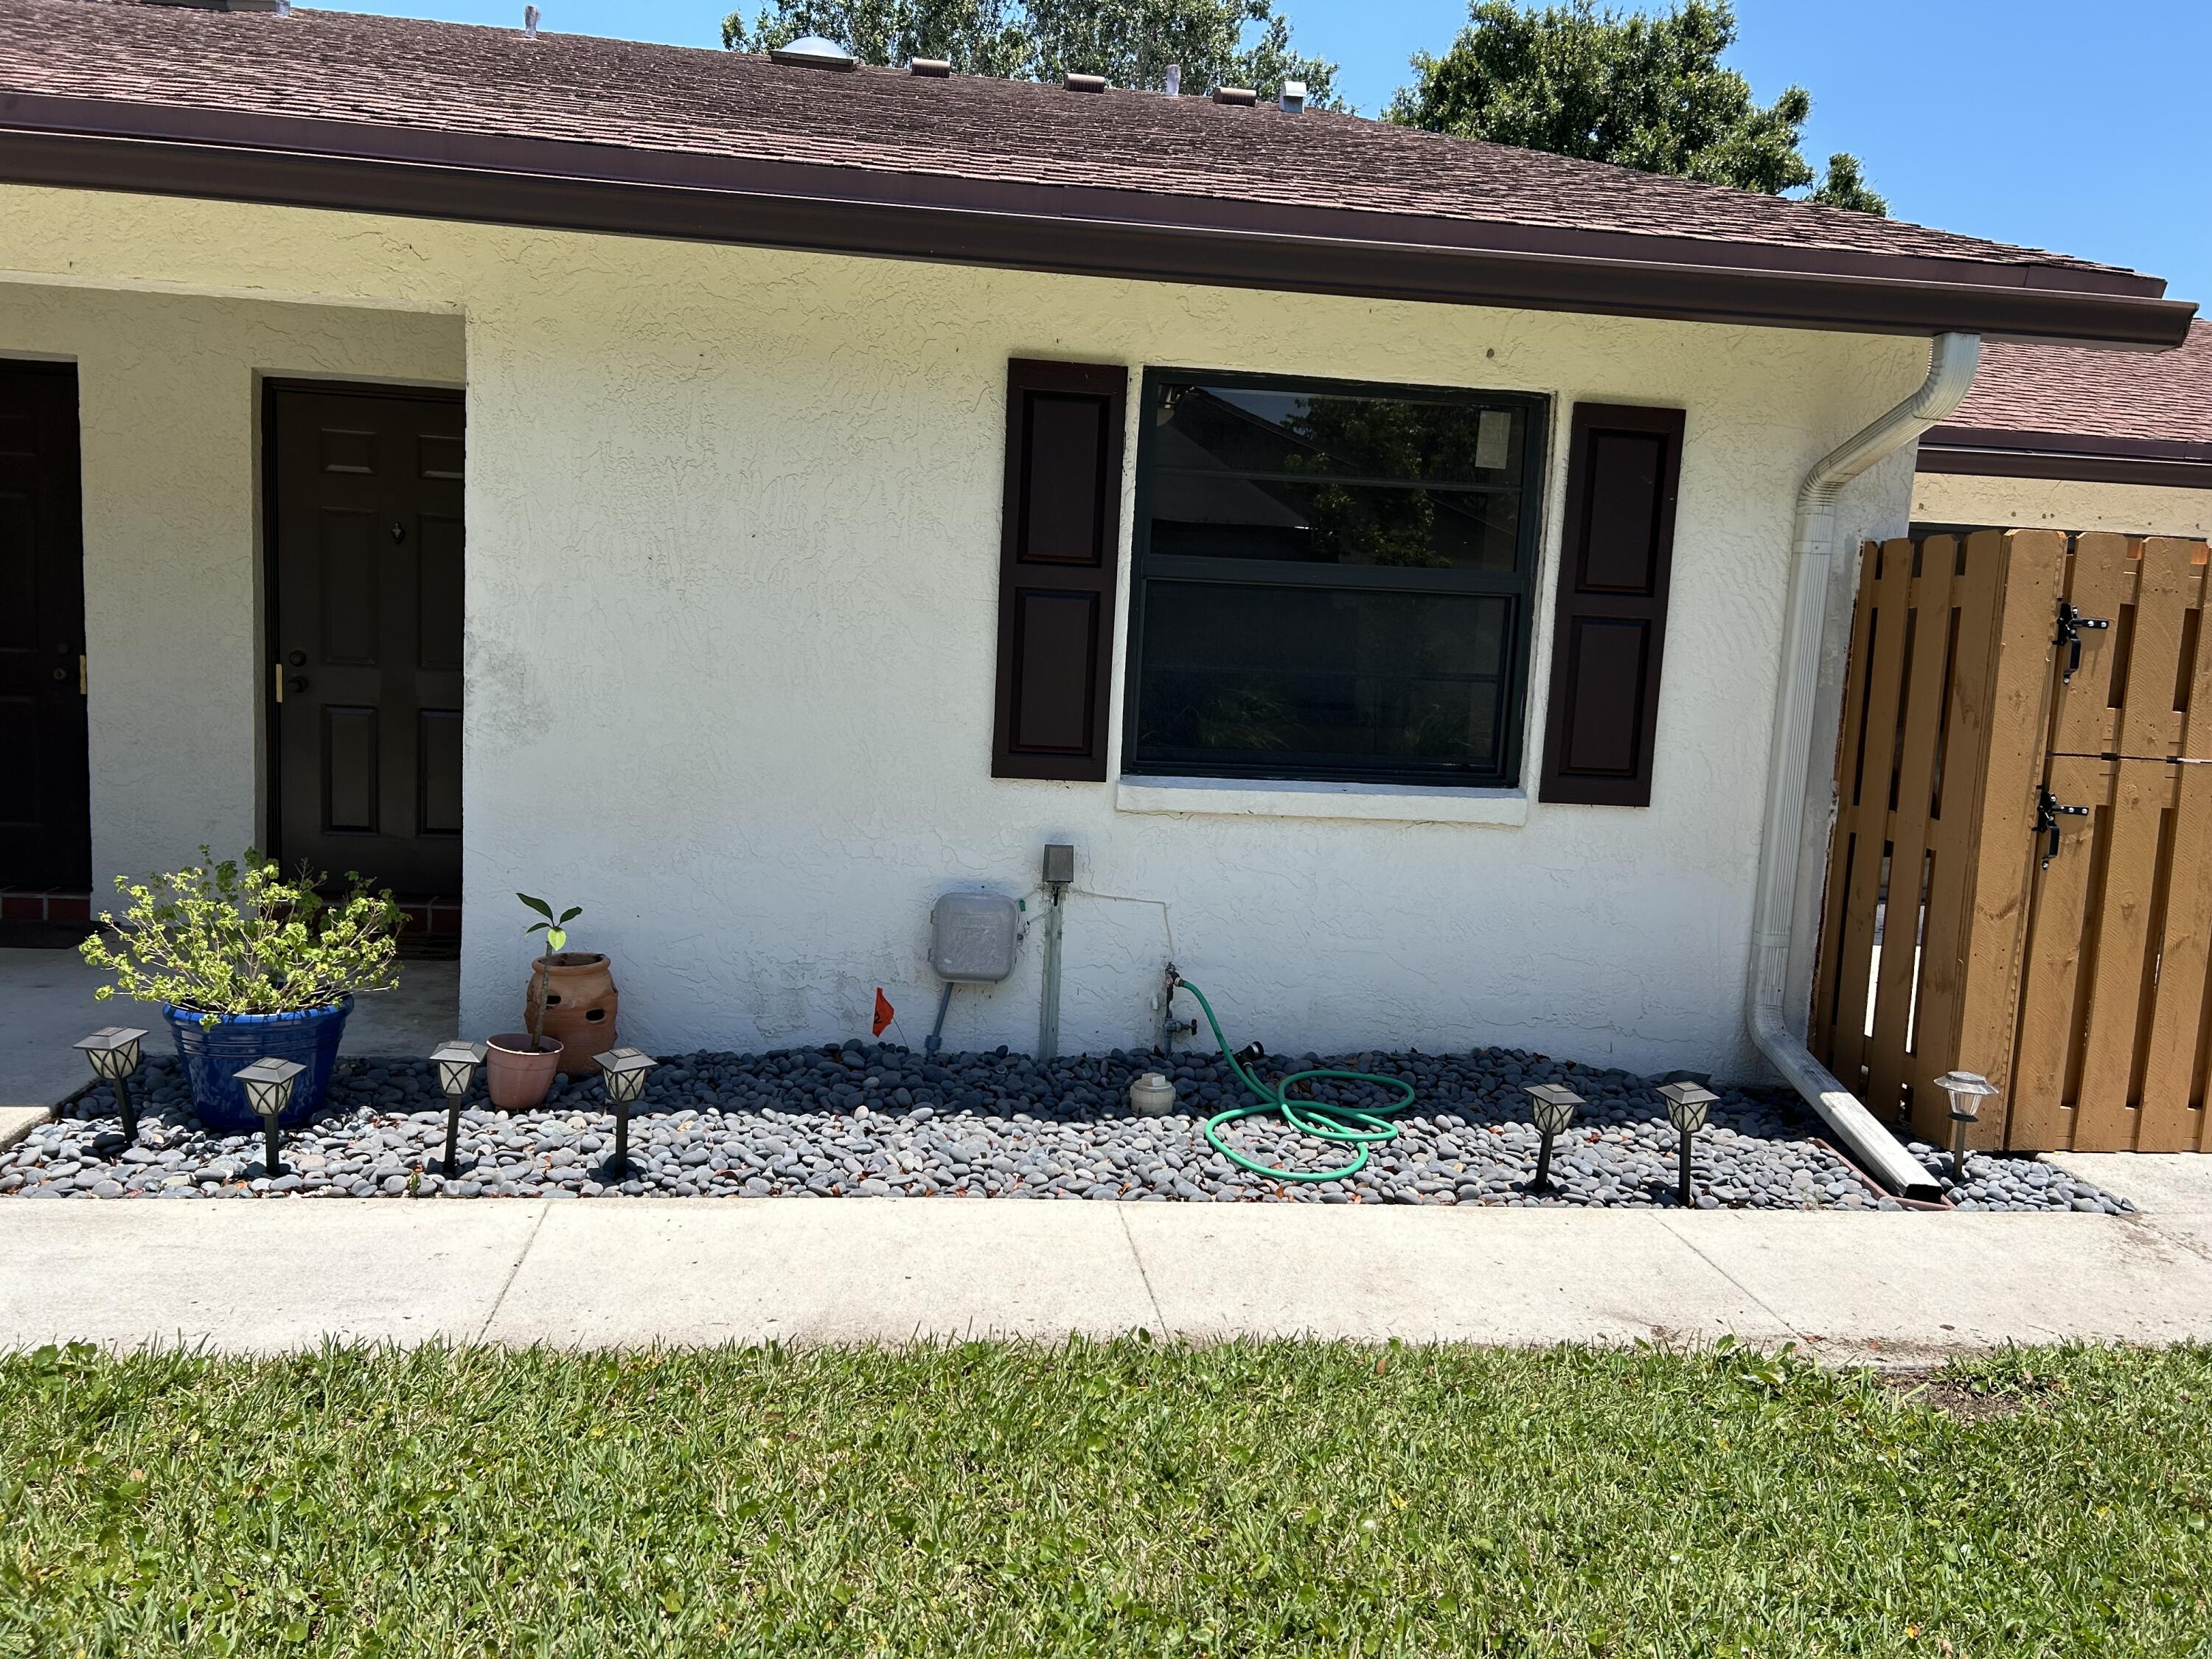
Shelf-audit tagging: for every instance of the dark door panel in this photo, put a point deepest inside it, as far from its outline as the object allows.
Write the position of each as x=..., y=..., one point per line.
x=367, y=570
x=46, y=838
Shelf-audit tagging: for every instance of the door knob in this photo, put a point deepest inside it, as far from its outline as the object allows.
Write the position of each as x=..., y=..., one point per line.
x=298, y=660
x=61, y=675
x=297, y=683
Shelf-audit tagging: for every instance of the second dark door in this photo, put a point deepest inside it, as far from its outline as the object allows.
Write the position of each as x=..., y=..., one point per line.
x=366, y=564
x=45, y=820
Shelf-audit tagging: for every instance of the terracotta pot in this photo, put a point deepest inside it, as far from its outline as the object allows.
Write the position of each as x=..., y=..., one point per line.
x=515, y=1077
x=580, y=1005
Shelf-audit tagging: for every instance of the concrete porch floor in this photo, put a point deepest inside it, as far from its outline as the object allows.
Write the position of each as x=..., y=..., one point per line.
x=47, y=1004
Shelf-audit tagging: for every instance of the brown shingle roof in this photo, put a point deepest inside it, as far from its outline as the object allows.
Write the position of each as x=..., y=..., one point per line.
x=493, y=101
x=460, y=78
x=2045, y=411
x=2068, y=390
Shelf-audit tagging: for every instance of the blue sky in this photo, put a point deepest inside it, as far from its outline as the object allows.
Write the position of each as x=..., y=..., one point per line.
x=2086, y=128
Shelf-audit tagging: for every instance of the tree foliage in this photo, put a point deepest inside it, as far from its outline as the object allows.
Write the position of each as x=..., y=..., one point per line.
x=1242, y=43
x=1643, y=92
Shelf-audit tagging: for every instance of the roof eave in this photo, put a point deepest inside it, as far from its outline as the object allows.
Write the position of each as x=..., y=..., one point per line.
x=2077, y=457
x=156, y=150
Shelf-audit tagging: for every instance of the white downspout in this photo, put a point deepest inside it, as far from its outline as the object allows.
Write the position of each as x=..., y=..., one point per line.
x=1951, y=369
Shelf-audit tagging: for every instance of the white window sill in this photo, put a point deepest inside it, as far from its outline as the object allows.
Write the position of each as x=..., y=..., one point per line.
x=1267, y=798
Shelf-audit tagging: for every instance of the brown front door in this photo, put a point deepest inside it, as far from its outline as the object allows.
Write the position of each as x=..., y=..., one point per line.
x=46, y=838
x=366, y=566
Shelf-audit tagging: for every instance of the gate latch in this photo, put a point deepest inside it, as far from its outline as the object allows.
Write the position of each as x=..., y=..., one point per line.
x=2071, y=624
x=2048, y=811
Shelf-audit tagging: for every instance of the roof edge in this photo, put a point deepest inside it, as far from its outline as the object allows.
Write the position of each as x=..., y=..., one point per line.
x=223, y=154
x=2077, y=457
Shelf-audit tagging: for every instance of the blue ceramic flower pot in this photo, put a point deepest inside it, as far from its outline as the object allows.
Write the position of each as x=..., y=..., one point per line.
x=213, y=1055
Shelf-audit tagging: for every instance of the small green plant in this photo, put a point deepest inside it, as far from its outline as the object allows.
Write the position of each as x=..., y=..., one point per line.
x=555, y=929
x=237, y=937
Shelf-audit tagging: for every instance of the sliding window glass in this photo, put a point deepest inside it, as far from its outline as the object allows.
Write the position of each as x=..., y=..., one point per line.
x=1332, y=580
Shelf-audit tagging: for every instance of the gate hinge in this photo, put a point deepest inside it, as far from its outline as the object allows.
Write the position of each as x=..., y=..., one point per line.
x=2048, y=811
x=2071, y=624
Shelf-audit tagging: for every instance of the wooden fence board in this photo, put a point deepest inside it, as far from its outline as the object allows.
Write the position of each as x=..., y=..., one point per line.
x=2166, y=587
x=1888, y=1057
x=2050, y=1027
x=1964, y=755
x=2171, y=1120
x=2101, y=584
x=2118, y=923
x=2197, y=725
x=2017, y=706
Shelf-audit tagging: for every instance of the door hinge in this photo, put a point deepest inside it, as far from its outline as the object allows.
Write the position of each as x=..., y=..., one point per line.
x=2071, y=624
x=2048, y=811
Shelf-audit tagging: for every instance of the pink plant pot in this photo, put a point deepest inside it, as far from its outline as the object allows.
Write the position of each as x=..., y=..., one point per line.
x=517, y=1074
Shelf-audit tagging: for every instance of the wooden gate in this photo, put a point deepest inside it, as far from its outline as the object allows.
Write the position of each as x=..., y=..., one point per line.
x=1976, y=741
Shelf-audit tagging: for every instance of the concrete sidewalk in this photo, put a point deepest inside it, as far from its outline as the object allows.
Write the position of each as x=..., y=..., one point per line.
x=1889, y=1288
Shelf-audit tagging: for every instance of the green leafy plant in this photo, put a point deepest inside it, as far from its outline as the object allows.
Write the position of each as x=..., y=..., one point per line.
x=555, y=929
x=238, y=937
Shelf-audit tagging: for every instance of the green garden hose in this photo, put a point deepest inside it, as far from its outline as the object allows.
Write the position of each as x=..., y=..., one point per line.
x=1353, y=1126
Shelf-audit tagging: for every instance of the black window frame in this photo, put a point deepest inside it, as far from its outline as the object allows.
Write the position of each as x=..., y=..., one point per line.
x=1520, y=586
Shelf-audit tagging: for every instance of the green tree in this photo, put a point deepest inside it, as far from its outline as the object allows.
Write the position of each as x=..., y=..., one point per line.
x=1644, y=92
x=1242, y=43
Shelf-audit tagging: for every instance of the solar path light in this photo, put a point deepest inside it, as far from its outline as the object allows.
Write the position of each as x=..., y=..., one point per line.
x=1551, y=1106
x=623, y=1072
x=1686, y=1107
x=1967, y=1091
x=113, y=1051
x=456, y=1064
x=268, y=1084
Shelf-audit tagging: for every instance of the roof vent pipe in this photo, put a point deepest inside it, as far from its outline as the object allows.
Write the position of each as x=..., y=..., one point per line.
x=530, y=15
x=1086, y=83
x=1951, y=369
x=1293, y=97
x=1243, y=95
x=934, y=69
x=1174, y=80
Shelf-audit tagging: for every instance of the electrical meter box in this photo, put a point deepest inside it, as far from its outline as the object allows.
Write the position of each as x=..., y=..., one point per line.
x=971, y=938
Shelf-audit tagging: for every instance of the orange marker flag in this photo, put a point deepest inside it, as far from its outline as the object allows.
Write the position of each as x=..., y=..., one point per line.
x=883, y=1011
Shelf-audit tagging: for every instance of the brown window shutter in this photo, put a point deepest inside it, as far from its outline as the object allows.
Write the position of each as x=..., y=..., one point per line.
x=1616, y=556
x=1059, y=548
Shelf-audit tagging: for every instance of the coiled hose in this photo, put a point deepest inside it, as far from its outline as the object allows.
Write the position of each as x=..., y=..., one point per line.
x=1360, y=1127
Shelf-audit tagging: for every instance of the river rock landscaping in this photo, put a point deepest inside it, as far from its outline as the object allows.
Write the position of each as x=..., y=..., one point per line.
x=863, y=1121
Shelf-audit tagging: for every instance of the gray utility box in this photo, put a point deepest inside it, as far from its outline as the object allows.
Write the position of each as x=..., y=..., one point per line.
x=971, y=938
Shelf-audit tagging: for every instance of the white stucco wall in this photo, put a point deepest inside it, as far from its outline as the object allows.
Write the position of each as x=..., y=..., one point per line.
x=2060, y=504
x=169, y=425
x=733, y=578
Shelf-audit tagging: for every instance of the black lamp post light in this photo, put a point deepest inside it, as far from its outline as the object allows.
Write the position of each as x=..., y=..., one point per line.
x=1967, y=1091
x=623, y=1071
x=456, y=1064
x=268, y=1084
x=113, y=1051
x=1687, y=1105
x=1552, y=1106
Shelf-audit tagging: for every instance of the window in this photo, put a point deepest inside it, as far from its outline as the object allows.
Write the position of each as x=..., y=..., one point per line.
x=1332, y=580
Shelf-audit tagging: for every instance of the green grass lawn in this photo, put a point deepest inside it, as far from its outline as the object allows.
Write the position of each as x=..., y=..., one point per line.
x=1120, y=1498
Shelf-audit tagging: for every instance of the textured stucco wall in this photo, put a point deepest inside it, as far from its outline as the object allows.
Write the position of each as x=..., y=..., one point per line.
x=169, y=421
x=733, y=546
x=2060, y=504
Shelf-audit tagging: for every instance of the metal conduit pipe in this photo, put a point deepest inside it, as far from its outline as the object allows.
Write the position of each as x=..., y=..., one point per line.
x=1951, y=369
